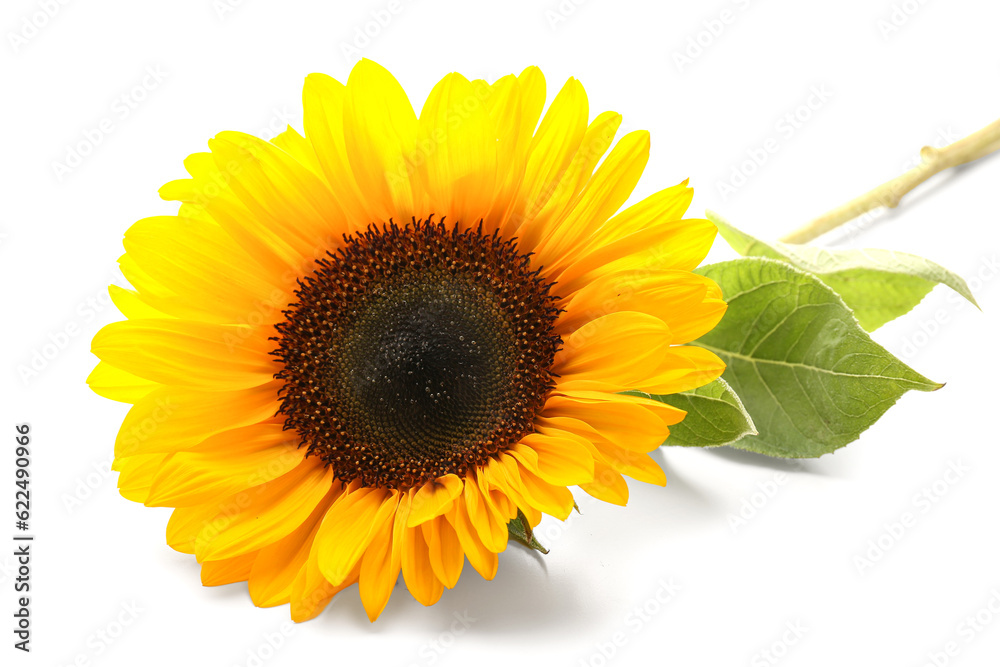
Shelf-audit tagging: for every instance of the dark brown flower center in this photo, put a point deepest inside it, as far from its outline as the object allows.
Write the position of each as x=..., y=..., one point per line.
x=416, y=351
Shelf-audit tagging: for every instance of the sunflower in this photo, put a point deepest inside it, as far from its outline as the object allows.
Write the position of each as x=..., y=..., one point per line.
x=365, y=350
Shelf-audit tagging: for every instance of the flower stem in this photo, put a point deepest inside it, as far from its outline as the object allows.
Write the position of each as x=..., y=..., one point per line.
x=933, y=160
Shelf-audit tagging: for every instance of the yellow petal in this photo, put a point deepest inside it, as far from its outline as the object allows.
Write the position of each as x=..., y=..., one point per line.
x=287, y=200
x=279, y=563
x=663, y=206
x=628, y=425
x=417, y=571
x=531, y=83
x=561, y=461
x=186, y=353
x=551, y=151
x=514, y=134
x=636, y=465
x=489, y=525
x=667, y=413
x=496, y=501
x=667, y=244
x=151, y=291
x=592, y=358
x=615, y=348
x=434, y=499
x=207, y=195
x=462, y=167
x=186, y=522
x=444, y=550
x=119, y=385
x=482, y=559
x=684, y=301
x=596, y=141
x=224, y=464
x=132, y=305
x=300, y=149
x=323, y=112
x=227, y=570
x=170, y=419
x=381, y=562
x=137, y=474
x=349, y=527
x=608, y=485
x=554, y=500
x=503, y=473
x=604, y=194
x=683, y=367
x=380, y=132
x=503, y=104
x=264, y=514
x=311, y=592
x=209, y=277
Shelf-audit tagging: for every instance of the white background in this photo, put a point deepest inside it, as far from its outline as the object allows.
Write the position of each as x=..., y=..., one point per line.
x=794, y=561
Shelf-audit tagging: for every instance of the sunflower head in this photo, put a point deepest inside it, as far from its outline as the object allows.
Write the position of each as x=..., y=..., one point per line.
x=415, y=352
x=364, y=350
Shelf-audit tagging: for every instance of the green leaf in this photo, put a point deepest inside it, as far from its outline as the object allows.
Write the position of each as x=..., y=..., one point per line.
x=519, y=530
x=878, y=285
x=812, y=379
x=715, y=416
